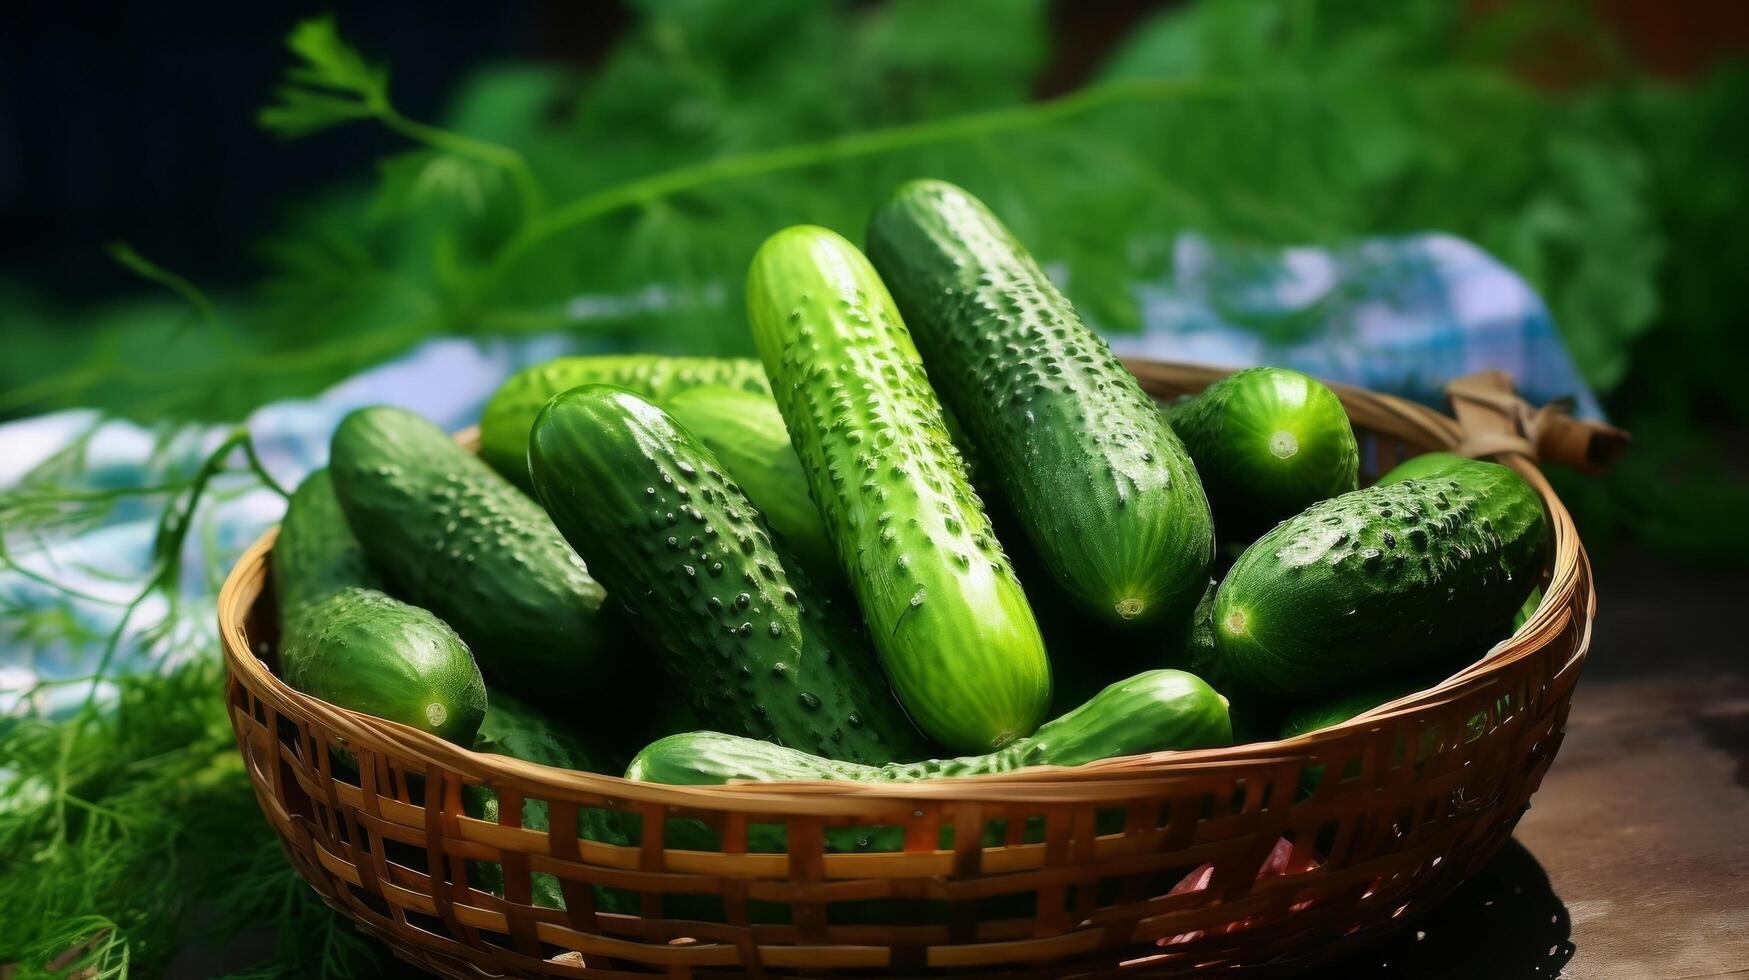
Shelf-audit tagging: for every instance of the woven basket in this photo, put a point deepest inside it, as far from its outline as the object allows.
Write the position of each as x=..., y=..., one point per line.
x=1172, y=862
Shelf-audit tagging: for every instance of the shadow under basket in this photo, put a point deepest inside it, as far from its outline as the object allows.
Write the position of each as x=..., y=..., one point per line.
x=1175, y=862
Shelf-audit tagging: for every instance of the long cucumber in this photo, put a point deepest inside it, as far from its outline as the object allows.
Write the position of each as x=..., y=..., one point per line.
x=941, y=601
x=1105, y=492
x=1153, y=711
x=451, y=535
x=749, y=642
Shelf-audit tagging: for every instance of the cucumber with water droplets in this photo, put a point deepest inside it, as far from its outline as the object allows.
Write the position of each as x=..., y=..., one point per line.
x=941, y=601
x=1268, y=443
x=346, y=642
x=508, y=415
x=1380, y=581
x=1105, y=492
x=755, y=648
x=451, y=535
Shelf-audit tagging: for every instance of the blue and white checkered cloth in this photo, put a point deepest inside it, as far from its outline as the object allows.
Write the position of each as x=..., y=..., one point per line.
x=1402, y=315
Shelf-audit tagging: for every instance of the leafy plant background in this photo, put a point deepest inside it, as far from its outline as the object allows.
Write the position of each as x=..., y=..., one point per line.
x=621, y=207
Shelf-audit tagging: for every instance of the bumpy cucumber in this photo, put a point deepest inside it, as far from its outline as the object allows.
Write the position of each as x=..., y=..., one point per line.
x=1423, y=467
x=1102, y=487
x=508, y=415
x=1429, y=465
x=745, y=432
x=1268, y=443
x=941, y=601
x=1379, y=580
x=749, y=642
x=451, y=535
x=1150, y=712
x=345, y=642
x=523, y=732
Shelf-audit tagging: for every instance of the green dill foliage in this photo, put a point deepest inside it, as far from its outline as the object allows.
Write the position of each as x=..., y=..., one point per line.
x=623, y=207
x=132, y=838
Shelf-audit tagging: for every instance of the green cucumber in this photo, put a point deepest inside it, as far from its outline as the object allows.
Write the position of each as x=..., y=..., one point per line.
x=1153, y=711
x=520, y=731
x=451, y=535
x=1429, y=465
x=345, y=642
x=508, y=415
x=941, y=601
x=1092, y=473
x=1268, y=443
x=1423, y=467
x=1379, y=581
x=750, y=643
x=745, y=432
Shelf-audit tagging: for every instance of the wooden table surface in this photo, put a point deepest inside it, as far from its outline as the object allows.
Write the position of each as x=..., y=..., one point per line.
x=1633, y=862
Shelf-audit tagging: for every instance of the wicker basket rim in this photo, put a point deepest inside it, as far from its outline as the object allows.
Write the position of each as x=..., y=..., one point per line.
x=1106, y=779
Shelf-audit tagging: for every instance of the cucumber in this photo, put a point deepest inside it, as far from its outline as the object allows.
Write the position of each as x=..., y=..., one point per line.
x=1378, y=581
x=1428, y=465
x=1423, y=467
x=345, y=642
x=1150, y=712
x=941, y=601
x=750, y=643
x=1103, y=489
x=316, y=554
x=508, y=415
x=520, y=731
x=451, y=535
x=1268, y=443
x=745, y=432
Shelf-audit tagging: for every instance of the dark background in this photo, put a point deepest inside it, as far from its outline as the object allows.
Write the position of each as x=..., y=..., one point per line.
x=118, y=121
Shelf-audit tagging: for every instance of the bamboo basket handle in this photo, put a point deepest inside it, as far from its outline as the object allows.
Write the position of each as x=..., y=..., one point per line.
x=1494, y=420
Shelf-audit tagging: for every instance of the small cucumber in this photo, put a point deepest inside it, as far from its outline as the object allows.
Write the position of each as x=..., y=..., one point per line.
x=749, y=641
x=521, y=731
x=1092, y=473
x=1150, y=712
x=942, y=605
x=345, y=642
x=1380, y=580
x=451, y=535
x=508, y=415
x=745, y=432
x=1268, y=443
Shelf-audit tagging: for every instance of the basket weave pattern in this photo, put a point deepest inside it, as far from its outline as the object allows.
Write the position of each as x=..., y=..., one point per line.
x=1172, y=862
